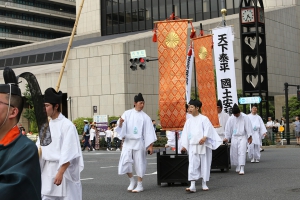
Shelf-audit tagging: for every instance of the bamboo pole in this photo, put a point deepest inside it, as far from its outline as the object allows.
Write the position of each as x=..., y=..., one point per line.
x=69, y=47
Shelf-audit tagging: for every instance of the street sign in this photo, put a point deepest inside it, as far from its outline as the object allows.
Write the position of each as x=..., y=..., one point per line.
x=249, y=100
x=138, y=54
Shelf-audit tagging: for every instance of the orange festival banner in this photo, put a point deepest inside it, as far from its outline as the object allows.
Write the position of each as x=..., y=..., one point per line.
x=172, y=47
x=206, y=78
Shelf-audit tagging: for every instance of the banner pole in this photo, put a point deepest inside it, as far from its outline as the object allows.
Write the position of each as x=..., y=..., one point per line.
x=69, y=47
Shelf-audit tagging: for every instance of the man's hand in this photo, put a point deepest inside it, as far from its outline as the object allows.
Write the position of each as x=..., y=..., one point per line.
x=250, y=140
x=150, y=149
x=183, y=149
x=202, y=141
x=58, y=178
x=121, y=122
x=225, y=140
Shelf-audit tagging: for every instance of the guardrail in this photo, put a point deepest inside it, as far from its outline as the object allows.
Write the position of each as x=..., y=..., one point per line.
x=279, y=136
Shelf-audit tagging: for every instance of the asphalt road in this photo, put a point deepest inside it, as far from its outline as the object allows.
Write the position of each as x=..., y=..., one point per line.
x=277, y=176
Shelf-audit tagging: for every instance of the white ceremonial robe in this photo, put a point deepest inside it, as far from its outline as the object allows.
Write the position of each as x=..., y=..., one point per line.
x=223, y=118
x=137, y=129
x=200, y=156
x=238, y=129
x=259, y=130
x=64, y=148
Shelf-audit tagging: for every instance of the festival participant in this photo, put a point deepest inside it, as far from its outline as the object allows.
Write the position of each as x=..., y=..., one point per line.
x=61, y=161
x=137, y=129
x=223, y=117
x=199, y=138
x=20, y=174
x=239, y=130
x=259, y=132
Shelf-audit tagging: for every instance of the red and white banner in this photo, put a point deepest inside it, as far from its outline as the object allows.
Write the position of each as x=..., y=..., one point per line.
x=189, y=69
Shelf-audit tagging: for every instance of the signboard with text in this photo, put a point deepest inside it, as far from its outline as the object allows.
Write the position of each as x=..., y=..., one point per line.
x=249, y=100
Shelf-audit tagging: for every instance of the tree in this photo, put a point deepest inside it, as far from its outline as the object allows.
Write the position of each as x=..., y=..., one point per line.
x=294, y=107
x=29, y=112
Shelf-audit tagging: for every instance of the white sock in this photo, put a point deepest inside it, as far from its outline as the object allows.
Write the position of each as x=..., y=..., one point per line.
x=193, y=183
x=131, y=179
x=242, y=168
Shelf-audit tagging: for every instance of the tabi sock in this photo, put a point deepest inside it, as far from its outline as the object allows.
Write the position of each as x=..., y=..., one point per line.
x=193, y=184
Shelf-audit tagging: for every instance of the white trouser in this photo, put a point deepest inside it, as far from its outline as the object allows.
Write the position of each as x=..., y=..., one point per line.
x=199, y=165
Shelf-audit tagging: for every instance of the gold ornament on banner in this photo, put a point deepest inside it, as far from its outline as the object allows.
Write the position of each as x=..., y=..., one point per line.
x=172, y=40
x=202, y=53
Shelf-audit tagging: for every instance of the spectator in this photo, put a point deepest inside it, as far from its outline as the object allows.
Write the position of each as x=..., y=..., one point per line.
x=297, y=130
x=92, y=136
x=108, y=135
x=97, y=139
x=269, y=127
x=116, y=138
x=154, y=124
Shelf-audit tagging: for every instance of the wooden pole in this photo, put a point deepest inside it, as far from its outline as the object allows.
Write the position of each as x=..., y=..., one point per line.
x=69, y=47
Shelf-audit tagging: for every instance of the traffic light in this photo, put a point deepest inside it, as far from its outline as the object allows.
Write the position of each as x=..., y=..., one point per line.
x=142, y=62
x=298, y=95
x=133, y=66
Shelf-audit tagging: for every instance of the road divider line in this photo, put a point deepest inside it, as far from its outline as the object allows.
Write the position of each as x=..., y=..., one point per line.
x=84, y=179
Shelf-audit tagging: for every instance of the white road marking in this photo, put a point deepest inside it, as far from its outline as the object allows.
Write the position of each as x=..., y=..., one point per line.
x=152, y=158
x=152, y=163
x=86, y=179
x=108, y=167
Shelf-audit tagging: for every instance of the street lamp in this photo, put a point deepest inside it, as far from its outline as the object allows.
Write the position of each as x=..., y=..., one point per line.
x=70, y=100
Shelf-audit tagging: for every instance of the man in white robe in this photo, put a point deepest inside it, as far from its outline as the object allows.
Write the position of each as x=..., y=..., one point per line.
x=223, y=118
x=199, y=138
x=61, y=161
x=239, y=130
x=259, y=132
x=136, y=128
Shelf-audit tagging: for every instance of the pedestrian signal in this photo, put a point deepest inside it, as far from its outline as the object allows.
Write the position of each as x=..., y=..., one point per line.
x=298, y=95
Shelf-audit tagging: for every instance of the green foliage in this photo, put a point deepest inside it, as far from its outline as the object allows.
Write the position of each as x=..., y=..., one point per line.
x=160, y=142
x=28, y=113
x=294, y=107
x=80, y=123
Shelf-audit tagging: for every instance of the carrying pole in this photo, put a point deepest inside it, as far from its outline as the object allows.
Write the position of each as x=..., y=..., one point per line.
x=69, y=47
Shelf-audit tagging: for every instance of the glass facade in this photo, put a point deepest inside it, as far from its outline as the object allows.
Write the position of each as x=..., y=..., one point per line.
x=120, y=16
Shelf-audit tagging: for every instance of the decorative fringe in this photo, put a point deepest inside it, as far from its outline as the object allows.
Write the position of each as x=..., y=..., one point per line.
x=154, y=37
x=190, y=52
x=193, y=31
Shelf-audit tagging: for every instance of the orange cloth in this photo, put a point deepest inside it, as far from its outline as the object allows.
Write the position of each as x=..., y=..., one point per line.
x=206, y=78
x=10, y=136
x=172, y=47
